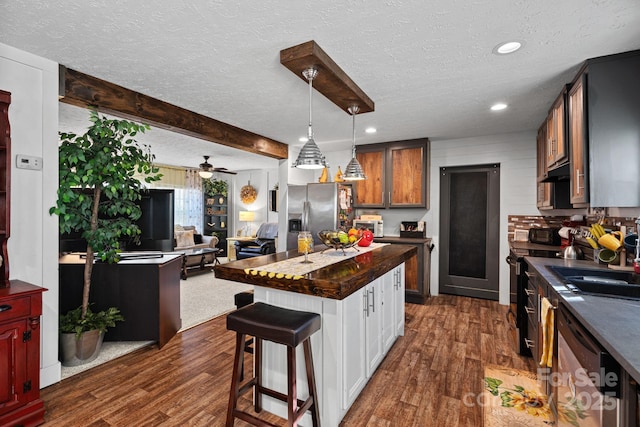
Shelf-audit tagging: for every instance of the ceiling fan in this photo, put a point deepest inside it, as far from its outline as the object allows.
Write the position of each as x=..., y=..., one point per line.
x=206, y=169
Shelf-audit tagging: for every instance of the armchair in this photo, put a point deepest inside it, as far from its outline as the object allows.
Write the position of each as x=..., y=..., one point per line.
x=187, y=237
x=264, y=243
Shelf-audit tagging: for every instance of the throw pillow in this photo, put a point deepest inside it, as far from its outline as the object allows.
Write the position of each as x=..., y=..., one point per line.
x=197, y=238
x=184, y=238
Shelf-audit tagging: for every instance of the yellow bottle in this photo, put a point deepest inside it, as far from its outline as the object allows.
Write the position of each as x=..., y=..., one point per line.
x=324, y=177
x=338, y=177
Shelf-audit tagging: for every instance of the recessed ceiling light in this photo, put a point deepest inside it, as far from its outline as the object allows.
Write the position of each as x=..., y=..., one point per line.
x=499, y=106
x=507, y=47
x=371, y=130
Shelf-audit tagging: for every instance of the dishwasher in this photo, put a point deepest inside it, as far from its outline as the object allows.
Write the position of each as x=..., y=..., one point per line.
x=586, y=378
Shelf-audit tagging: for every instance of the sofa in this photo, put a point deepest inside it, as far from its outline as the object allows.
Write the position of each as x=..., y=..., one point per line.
x=187, y=237
x=263, y=244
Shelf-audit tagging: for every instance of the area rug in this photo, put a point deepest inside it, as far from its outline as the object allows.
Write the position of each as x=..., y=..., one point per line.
x=512, y=398
x=203, y=297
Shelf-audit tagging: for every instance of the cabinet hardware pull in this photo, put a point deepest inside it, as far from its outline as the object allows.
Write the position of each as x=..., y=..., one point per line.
x=528, y=343
x=529, y=292
x=578, y=186
x=373, y=300
x=365, y=297
x=5, y=307
x=529, y=310
x=529, y=274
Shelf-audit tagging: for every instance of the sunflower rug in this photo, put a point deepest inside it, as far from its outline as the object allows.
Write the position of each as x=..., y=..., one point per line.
x=512, y=398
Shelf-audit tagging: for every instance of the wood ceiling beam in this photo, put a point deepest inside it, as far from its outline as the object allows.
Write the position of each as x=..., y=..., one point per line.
x=331, y=80
x=83, y=90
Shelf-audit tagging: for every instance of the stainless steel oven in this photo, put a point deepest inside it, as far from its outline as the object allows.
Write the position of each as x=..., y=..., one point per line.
x=586, y=378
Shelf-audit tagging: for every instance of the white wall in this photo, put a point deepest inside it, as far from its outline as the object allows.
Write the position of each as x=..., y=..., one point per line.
x=262, y=180
x=516, y=154
x=33, y=245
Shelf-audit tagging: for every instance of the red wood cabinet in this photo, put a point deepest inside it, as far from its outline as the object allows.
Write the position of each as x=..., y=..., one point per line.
x=20, y=311
x=5, y=185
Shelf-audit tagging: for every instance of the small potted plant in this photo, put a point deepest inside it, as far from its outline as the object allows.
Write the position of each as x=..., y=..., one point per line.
x=215, y=187
x=97, y=197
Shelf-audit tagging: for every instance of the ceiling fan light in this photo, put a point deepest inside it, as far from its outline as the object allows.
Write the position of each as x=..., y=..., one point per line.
x=206, y=168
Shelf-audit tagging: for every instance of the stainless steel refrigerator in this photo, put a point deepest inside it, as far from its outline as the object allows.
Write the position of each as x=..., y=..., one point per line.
x=318, y=206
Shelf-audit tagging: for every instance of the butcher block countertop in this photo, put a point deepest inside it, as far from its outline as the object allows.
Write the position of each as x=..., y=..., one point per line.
x=337, y=280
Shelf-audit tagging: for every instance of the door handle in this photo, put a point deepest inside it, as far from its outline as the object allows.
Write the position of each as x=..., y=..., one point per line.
x=365, y=298
x=5, y=307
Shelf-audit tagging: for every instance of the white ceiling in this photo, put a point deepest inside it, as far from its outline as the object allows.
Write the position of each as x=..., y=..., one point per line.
x=428, y=65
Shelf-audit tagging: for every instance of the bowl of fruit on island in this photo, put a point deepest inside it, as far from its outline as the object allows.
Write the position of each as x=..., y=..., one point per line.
x=340, y=239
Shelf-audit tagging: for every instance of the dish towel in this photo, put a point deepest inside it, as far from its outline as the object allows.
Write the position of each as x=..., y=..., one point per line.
x=547, y=316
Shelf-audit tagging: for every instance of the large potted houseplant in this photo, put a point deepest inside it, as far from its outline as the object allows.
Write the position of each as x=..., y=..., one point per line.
x=97, y=195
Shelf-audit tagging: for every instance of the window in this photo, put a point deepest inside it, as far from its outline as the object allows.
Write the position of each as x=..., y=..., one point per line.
x=188, y=197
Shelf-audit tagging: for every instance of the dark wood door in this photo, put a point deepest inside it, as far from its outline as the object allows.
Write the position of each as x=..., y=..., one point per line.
x=469, y=231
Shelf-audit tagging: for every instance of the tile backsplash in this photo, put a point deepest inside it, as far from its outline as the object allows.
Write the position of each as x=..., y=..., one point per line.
x=519, y=225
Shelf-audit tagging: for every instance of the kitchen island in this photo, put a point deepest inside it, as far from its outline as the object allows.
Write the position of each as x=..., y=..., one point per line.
x=360, y=297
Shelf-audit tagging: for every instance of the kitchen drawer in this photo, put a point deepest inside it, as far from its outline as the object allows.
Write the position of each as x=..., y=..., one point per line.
x=531, y=340
x=15, y=308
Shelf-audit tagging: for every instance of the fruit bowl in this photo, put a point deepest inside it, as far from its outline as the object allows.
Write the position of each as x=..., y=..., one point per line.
x=331, y=239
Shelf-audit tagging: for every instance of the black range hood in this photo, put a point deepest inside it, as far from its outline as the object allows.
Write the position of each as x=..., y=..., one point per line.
x=561, y=173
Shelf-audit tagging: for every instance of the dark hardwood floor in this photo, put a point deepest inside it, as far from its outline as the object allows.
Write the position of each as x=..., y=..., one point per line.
x=423, y=380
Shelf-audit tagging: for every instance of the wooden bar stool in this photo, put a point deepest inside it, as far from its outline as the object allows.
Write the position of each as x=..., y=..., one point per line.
x=281, y=326
x=242, y=299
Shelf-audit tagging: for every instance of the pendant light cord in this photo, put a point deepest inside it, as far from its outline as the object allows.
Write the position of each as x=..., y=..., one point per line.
x=310, y=74
x=353, y=110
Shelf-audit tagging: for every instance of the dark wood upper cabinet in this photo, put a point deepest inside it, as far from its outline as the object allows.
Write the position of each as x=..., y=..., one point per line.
x=397, y=175
x=557, y=153
x=578, y=160
x=600, y=128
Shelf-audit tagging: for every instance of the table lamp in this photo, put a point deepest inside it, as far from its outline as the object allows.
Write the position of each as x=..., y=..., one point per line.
x=248, y=217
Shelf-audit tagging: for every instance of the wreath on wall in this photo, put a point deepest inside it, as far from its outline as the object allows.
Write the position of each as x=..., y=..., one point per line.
x=248, y=194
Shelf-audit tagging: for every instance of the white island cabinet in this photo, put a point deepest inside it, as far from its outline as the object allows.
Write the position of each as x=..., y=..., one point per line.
x=356, y=334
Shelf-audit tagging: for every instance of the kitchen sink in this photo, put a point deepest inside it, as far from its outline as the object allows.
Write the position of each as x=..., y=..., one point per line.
x=618, y=284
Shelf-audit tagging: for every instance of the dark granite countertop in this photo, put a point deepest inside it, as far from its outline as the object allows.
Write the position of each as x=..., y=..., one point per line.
x=534, y=246
x=612, y=321
x=336, y=281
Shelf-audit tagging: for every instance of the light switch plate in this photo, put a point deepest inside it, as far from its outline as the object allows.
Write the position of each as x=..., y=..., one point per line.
x=28, y=162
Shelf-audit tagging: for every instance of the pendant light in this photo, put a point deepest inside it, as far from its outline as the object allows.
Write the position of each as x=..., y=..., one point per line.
x=206, y=168
x=310, y=156
x=353, y=171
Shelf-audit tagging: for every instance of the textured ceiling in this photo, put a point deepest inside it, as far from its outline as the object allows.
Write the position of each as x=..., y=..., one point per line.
x=428, y=65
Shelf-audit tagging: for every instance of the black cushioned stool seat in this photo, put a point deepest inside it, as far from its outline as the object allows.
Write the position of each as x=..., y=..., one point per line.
x=242, y=299
x=281, y=326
